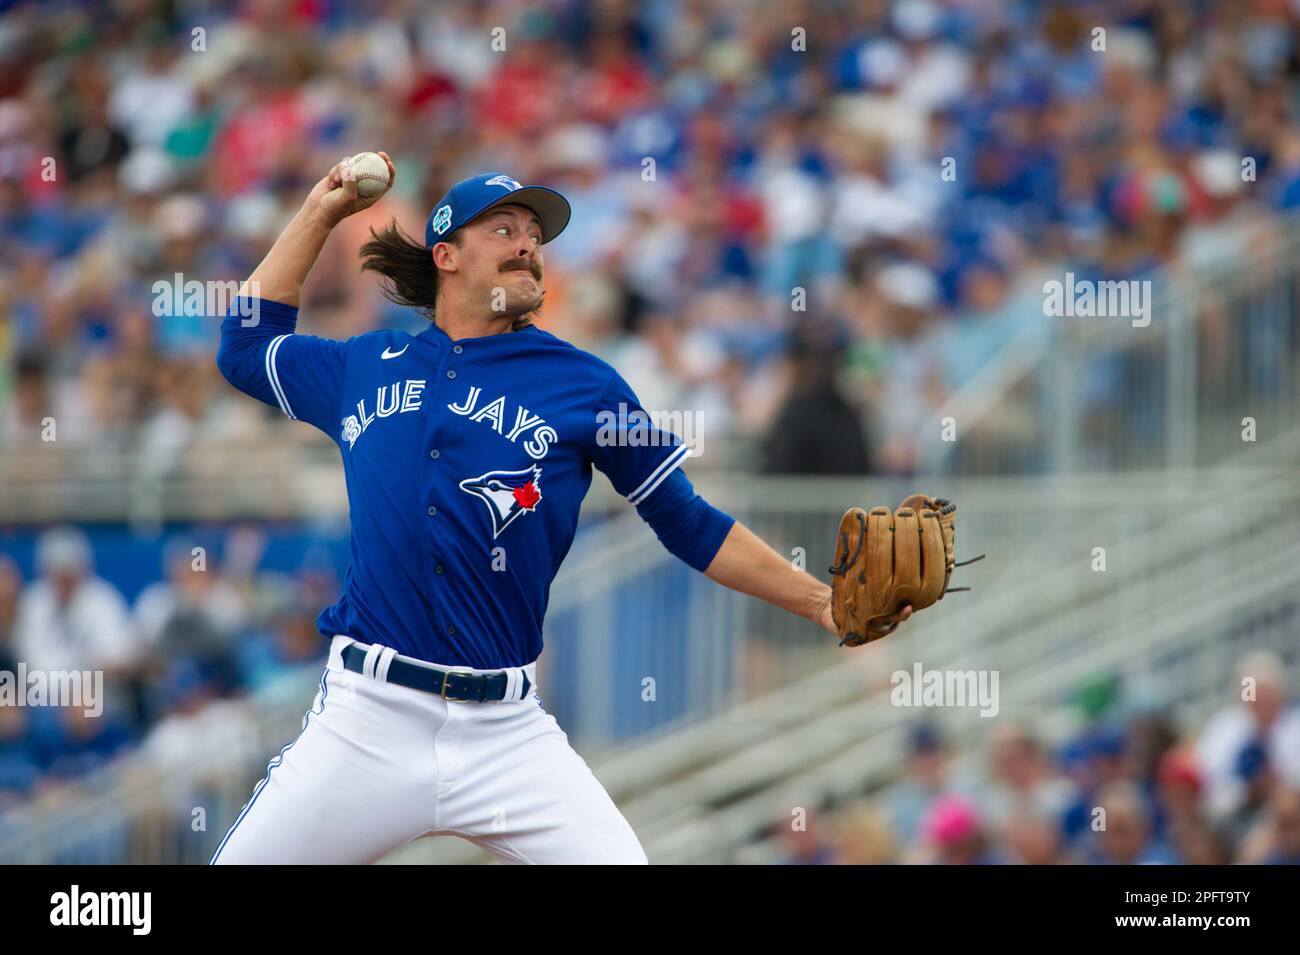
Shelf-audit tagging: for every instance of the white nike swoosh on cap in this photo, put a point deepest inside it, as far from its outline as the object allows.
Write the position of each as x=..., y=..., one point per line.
x=394, y=354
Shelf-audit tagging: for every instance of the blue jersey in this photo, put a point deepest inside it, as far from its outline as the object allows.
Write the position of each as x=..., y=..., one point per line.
x=466, y=463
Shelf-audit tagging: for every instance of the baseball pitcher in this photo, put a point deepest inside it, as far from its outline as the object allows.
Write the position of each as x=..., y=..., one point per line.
x=467, y=450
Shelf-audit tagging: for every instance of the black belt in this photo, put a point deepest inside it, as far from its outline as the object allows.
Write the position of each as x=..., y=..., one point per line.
x=454, y=685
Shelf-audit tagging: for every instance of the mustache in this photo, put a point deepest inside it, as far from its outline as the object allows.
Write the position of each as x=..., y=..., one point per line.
x=531, y=265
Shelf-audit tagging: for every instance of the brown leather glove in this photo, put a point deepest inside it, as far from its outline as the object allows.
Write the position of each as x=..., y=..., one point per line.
x=889, y=559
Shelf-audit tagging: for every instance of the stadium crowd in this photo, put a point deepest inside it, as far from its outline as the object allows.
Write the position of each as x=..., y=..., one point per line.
x=760, y=191
x=1130, y=786
x=174, y=663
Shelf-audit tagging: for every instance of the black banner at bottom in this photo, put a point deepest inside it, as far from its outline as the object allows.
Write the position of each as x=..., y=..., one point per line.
x=215, y=904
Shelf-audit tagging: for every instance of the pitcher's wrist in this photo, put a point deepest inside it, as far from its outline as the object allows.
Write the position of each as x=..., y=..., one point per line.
x=315, y=216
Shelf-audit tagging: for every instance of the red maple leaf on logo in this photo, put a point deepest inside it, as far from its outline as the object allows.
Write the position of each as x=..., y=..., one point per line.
x=527, y=496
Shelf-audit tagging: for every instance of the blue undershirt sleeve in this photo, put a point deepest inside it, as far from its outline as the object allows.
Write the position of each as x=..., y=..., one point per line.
x=689, y=527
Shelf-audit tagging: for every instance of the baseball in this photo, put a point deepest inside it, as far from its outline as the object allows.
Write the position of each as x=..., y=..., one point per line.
x=370, y=172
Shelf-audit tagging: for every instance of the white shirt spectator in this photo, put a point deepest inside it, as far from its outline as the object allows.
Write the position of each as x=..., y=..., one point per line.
x=149, y=104
x=1225, y=736
x=216, y=735
x=866, y=208
x=90, y=631
x=794, y=204
x=220, y=603
x=191, y=748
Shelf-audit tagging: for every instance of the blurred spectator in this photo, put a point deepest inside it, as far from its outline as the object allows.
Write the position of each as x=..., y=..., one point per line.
x=70, y=619
x=804, y=841
x=20, y=768
x=1196, y=842
x=953, y=834
x=1125, y=836
x=199, y=732
x=1258, y=735
x=928, y=775
x=1093, y=761
x=816, y=430
x=914, y=387
x=1277, y=840
x=44, y=408
x=193, y=615
x=1179, y=789
x=1023, y=785
x=79, y=742
x=1032, y=838
x=865, y=838
x=30, y=403
x=11, y=585
x=290, y=639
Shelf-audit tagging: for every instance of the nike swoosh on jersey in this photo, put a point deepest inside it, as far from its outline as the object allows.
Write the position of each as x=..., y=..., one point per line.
x=388, y=354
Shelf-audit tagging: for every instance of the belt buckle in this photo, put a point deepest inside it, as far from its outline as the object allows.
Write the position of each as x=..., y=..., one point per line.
x=446, y=680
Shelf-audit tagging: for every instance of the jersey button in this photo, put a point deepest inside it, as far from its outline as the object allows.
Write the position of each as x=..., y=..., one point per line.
x=435, y=454
x=458, y=349
x=438, y=569
x=451, y=373
x=433, y=511
x=451, y=631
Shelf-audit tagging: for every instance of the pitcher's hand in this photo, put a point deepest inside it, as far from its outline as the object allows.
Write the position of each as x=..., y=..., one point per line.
x=335, y=197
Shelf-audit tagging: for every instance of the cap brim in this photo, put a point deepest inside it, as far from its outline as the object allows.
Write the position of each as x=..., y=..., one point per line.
x=551, y=208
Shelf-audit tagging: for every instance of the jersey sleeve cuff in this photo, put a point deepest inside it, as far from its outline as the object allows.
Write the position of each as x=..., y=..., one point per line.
x=656, y=477
x=254, y=313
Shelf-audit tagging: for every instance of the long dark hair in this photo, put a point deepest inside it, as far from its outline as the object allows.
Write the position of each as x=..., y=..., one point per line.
x=407, y=273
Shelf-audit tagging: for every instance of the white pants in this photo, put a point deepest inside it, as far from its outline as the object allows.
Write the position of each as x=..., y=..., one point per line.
x=378, y=764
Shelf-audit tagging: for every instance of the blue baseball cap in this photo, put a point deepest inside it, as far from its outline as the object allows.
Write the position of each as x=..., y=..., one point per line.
x=472, y=197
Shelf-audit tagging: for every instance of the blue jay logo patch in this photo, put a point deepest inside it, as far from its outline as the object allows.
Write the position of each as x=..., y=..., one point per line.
x=505, y=182
x=507, y=494
x=442, y=219
x=351, y=430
